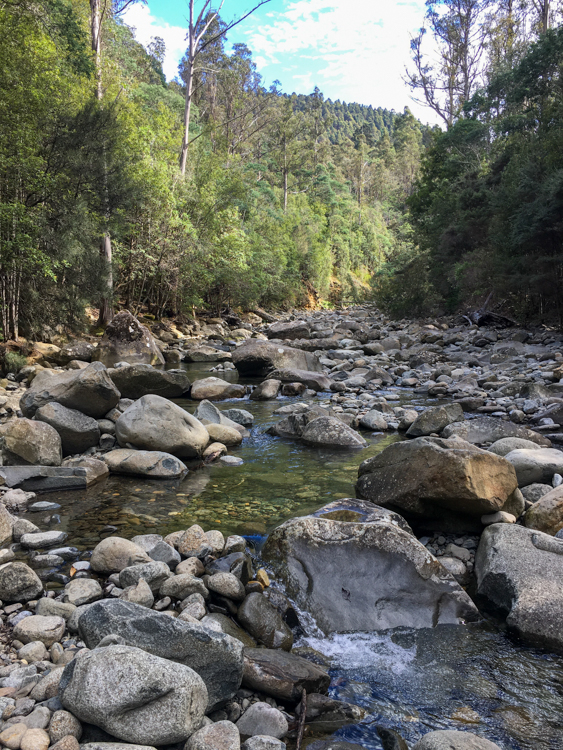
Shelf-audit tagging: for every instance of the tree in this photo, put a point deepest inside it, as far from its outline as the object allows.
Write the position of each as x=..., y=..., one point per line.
x=197, y=43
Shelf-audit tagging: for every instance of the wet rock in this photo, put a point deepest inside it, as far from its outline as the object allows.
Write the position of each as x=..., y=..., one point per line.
x=442, y=475
x=18, y=583
x=216, y=389
x=140, y=380
x=327, y=561
x=215, y=656
x=435, y=419
x=152, y=423
x=126, y=340
x=227, y=436
x=24, y=441
x=452, y=740
x=262, y=620
x=48, y=630
x=223, y=735
x=282, y=675
x=208, y=413
x=547, y=513
x=155, y=464
x=113, y=554
x=324, y=714
x=519, y=573
x=331, y=432
x=262, y=719
x=536, y=466
x=42, y=539
x=490, y=429
x=134, y=696
x=240, y=416
x=90, y=391
x=266, y=391
x=77, y=431
x=255, y=357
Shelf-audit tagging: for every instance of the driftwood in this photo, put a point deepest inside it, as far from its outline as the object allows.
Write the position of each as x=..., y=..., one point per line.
x=302, y=718
x=484, y=317
x=264, y=315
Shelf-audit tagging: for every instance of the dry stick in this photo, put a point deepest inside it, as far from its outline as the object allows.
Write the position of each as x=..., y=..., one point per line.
x=301, y=726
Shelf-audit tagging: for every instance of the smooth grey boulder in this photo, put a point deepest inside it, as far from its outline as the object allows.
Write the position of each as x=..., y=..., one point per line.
x=260, y=719
x=140, y=380
x=90, y=391
x=428, y=477
x=216, y=657
x=536, y=466
x=24, y=441
x=263, y=621
x=157, y=549
x=263, y=742
x=239, y=416
x=154, y=573
x=77, y=431
x=114, y=553
x=126, y=340
x=222, y=735
x=373, y=420
x=435, y=419
x=504, y=446
x=266, y=391
x=449, y=739
x=19, y=583
x=327, y=562
x=519, y=572
x=491, y=429
x=133, y=695
x=331, y=432
x=215, y=389
x=316, y=381
x=208, y=413
x=256, y=357
x=154, y=464
x=282, y=675
x=534, y=492
x=293, y=329
x=155, y=424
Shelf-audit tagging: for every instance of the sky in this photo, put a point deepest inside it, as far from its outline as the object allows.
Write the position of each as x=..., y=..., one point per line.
x=353, y=50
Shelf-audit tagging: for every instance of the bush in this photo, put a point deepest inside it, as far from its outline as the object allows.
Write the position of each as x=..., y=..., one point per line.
x=13, y=362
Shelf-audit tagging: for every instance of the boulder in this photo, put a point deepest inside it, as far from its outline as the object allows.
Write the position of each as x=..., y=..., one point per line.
x=152, y=423
x=216, y=657
x=327, y=561
x=373, y=420
x=331, y=432
x=19, y=583
x=90, y=391
x=266, y=391
x=449, y=739
x=155, y=573
x=547, y=513
x=113, y=554
x=283, y=676
x=536, y=466
x=140, y=380
x=81, y=351
x=134, y=696
x=77, y=431
x=155, y=464
x=95, y=469
x=264, y=623
x=126, y=340
x=316, y=381
x=262, y=719
x=26, y=442
x=240, y=416
x=48, y=630
x=256, y=357
x=222, y=735
x=504, y=446
x=216, y=389
x=491, y=429
x=519, y=573
x=207, y=354
x=435, y=419
x=208, y=413
x=227, y=436
x=294, y=329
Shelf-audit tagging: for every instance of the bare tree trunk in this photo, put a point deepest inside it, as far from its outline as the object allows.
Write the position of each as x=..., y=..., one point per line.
x=285, y=173
x=187, y=113
x=95, y=28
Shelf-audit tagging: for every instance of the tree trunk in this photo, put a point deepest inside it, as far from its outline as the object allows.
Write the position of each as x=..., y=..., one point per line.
x=187, y=112
x=95, y=27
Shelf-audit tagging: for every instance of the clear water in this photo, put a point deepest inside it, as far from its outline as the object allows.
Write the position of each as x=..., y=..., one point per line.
x=471, y=678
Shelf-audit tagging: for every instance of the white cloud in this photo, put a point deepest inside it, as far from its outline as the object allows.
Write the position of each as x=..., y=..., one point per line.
x=146, y=26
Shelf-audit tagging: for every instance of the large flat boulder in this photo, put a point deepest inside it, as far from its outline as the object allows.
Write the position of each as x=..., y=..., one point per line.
x=215, y=389
x=427, y=476
x=90, y=391
x=332, y=433
x=519, y=572
x=536, y=466
x=77, y=431
x=207, y=354
x=126, y=340
x=282, y=675
x=155, y=424
x=314, y=380
x=256, y=357
x=134, y=696
x=216, y=657
x=153, y=464
x=294, y=329
x=142, y=379
x=490, y=429
x=329, y=563
x=449, y=739
x=24, y=441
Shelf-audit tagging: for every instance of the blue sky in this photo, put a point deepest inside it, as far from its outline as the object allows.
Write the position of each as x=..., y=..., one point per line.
x=353, y=50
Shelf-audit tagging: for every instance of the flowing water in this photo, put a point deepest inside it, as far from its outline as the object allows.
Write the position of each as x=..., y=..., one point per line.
x=458, y=677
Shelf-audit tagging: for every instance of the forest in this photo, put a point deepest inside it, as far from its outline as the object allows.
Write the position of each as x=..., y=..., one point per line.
x=115, y=193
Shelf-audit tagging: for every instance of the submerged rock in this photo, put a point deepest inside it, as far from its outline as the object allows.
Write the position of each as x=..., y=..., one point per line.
x=155, y=464
x=452, y=740
x=282, y=675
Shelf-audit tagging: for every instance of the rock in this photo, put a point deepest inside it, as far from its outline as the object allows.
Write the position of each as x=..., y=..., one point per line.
x=262, y=620
x=294, y=329
x=262, y=719
x=24, y=441
x=77, y=431
x=506, y=445
x=182, y=586
x=311, y=379
x=81, y=351
x=331, y=432
x=547, y=513
x=64, y=724
x=35, y=739
x=66, y=743
x=223, y=735
x=96, y=470
x=499, y=517
x=154, y=573
x=534, y=492
x=90, y=391
x=134, y=696
x=216, y=540
x=154, y=464
x=435, y=419
x=240, y=416
x=374, y=420
x=326, y=562
x=48, y=630
x=226, y=584
x=113, y=554
x=263, y=742
x=266, y=391
x=114, y=746
x=11, y=737
x=207, y=354
x=490, y=429
x=140, y=594
x=82, y=591
x=442, y=475
x=215, y=389
x=222, y=434
x=32, y=652
x=152, y=423
x=324, y=714
x=7, y=522
x=157, y=549
x=19, y=583
x=255, y=357
x=217, y=658
x=41, y=539
x=208, y=413
x=451, y=740
x=193, y=542
x=519, y=573
x=126, y=340
x=140, y=380
x=536, y=466
x=283, y=676
x=231, y=461
x=224, y=624
x=52, y=608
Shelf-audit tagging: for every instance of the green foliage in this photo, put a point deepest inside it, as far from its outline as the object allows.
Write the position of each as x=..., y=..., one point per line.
x=13, y=362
